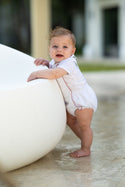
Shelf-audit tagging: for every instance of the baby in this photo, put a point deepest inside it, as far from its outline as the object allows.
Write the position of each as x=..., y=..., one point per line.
x=80, y=99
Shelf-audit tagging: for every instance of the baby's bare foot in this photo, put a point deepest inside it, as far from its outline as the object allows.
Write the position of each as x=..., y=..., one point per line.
x=79, y=153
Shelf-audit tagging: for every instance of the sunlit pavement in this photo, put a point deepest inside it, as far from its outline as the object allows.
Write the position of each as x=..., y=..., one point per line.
x=106, y=165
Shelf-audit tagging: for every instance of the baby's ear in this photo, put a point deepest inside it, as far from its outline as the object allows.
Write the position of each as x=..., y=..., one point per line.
x=73, y=51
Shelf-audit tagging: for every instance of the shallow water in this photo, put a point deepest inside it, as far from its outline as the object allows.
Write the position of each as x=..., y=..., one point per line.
x=104, y=168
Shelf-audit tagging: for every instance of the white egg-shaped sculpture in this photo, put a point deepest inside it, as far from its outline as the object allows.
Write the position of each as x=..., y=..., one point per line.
x=32, y=114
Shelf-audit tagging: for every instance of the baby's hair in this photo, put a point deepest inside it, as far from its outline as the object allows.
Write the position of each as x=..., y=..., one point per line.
x=60, y=31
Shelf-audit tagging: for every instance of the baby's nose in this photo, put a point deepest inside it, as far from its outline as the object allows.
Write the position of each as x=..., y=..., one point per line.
x=59, y=48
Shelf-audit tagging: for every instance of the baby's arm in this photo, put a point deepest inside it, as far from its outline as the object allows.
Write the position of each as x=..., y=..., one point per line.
x=41, y=61
x=47, y=74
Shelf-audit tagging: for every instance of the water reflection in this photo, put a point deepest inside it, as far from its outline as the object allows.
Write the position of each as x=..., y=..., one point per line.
x=105, y=167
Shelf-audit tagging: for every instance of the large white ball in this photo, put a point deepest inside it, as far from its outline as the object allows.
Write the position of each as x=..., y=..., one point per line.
x=32, y=115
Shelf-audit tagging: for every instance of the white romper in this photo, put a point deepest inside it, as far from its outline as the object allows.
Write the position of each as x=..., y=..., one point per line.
x=75, y=89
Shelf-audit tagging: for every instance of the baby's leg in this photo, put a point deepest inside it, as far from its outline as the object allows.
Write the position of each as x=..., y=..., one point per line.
x=72, y=123
x=84, y=118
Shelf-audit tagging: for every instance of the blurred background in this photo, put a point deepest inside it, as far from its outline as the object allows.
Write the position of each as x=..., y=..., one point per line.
x=98, y=25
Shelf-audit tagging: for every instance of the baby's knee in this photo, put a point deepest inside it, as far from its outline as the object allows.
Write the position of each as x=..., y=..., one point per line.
x=71, y=122
x=85, y=125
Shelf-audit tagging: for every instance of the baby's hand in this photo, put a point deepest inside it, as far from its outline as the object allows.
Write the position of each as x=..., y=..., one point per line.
x=41, y=61
x=32, y=76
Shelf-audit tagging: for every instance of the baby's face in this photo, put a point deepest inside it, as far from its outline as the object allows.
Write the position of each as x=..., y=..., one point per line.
x=61, y=48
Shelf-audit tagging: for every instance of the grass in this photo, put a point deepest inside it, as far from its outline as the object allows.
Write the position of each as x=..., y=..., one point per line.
x=87, y=66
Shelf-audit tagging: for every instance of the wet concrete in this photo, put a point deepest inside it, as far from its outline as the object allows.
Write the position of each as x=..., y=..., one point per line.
x=106, y=165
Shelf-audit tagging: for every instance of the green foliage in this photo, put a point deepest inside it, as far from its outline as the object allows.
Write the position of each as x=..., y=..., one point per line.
x=100, y=67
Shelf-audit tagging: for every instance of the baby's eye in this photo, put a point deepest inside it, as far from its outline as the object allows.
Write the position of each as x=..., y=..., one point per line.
x=65, y=46
x=55, y=46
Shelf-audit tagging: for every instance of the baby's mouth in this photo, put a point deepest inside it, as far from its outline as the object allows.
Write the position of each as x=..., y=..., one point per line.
x=59, y=55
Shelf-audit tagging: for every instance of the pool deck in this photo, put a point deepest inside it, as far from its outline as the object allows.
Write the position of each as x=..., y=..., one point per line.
x=106, y=165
